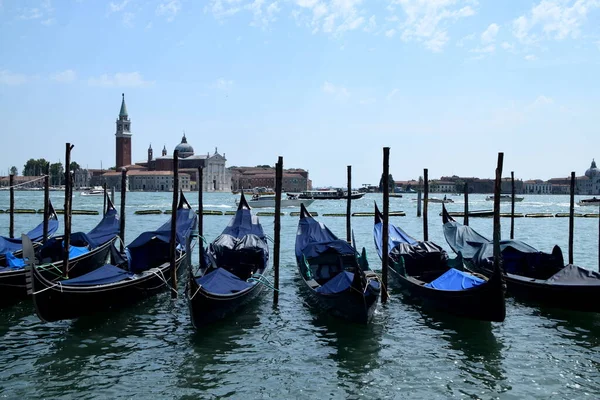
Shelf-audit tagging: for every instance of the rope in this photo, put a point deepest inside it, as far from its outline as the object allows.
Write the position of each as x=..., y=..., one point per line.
x=258, y=278
x=49, y=287
x=196, y=292
x=24, y=183
x=162, y=278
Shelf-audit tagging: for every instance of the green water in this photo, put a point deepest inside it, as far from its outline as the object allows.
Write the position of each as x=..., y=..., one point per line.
x=290, y=351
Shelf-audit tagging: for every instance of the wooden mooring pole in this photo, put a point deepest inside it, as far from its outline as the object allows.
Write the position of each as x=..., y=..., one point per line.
x=497, y=191
x=122, y=215
x=67, y=209
x=46, y=202
x=172, y=242
x=11, y=220
x=200, y=180
x=277, y=228
x=419, y=203
x=466, y=198
x=105, y=197
x=571, y=217
x=425, y=201
x=512, y=205
x=385, y=233
x=349, y=207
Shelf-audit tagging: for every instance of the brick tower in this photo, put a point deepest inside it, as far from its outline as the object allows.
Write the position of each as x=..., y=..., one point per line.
x=123, y=137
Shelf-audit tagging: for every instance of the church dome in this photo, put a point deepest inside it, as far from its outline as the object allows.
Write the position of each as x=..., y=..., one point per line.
x=185, y=149
x=592, y=171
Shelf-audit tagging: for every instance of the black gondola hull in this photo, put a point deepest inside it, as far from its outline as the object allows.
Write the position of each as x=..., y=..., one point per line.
x=569, y=297
x=13, y=286
x=485, y=302
x=54, y=302
x=349, y=305
x=206, y=308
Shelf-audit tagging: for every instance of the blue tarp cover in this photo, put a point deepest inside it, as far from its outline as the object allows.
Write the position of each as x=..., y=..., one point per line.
x=454, y=279
x=396, y=237
x=36, y=235
x=145, y=248
x=107, y=229
x=244, y=223
x=101, y=276
x=337, y=284
x=314, y=238
x=14, y=262
x=221, y=281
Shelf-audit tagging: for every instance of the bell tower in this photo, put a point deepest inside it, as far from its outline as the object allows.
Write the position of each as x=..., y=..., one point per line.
x=123, y=136
x=149, y=154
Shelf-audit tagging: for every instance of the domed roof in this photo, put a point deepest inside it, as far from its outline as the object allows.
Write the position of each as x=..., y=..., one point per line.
x=185, y=149
x=592, y=171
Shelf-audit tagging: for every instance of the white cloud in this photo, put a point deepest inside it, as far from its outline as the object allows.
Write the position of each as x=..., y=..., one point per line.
x=507, y=46
x=338, y=91
x=427, y=21
x=120, y=79
x=263, y=16
x=465, y=39
x=391, y=94
x=542, y=101
x=169, y=9
x=128, y=19
x=116, y=7
x=490, y=48
x=45, y=12
x=489, y=35
x=371, y=24
x=530, y=57
x=390, y=33
x=12, y=78
x=556, y=19
x=66, y=76
x=223, y=84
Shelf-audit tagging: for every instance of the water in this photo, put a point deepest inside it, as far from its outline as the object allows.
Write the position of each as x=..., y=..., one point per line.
x=292, y=352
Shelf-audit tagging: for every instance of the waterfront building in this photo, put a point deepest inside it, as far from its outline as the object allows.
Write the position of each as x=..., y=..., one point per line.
x=293, y=179
x=537, y=186
x=590, y=183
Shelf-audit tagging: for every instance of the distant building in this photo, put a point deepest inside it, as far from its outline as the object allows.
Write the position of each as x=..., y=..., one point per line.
x=438, y=186
x=537, y=186
x=150, y=174
x=590, y=184
x=293, y=180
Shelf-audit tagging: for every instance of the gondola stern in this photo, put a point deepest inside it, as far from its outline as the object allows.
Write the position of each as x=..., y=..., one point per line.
x=243, y=204
x=378, y=214
x=445, y=216
x=304, y=212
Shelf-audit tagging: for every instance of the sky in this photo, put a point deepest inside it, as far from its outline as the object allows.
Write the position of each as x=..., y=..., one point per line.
x=446, y=84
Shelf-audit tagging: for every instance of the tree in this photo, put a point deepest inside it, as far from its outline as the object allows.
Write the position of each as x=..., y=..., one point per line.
x=57, y=174
x=35, y=167
x=74, y=166
x=391, y=183
x=459, y=186
x=263, y=166
x=14, y=170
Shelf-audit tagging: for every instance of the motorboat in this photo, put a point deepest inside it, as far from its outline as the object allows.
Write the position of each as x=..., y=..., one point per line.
x=330, y=194
x=268, y=201
x=594, y=201
x=505, y=198
x=95, y=191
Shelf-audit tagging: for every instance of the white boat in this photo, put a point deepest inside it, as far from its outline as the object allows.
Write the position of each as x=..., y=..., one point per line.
x=268, y=201
x=505, y=198
x=589, y=202
x=329, y=194
x=436, y=200
x=95, y=191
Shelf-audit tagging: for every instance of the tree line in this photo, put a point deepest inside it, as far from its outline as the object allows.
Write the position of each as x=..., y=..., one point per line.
x=38, y=167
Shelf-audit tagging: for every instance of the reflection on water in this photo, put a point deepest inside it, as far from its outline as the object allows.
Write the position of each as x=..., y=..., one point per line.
x=151, y=349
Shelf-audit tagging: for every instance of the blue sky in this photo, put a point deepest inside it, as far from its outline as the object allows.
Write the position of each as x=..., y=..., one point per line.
x=445, y=83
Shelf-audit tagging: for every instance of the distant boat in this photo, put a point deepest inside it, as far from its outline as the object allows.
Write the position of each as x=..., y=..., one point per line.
x=258, y=201
x=436, y=200
x=330, y=194
x=505, y=198
x=589, y=202
x=398, y=195
x=95, y=191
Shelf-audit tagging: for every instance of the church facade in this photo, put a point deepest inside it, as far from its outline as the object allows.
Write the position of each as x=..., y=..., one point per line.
x=155, y=173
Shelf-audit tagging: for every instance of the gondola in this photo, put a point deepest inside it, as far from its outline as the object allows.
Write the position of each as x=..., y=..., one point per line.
x=231, y=270
x=142, y=270
x=11, y=248
x=425, y=272
x=338, y=280
x=87, y=252
x=530, y=274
